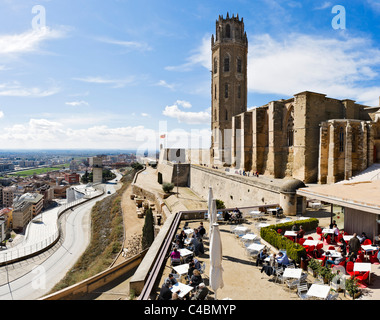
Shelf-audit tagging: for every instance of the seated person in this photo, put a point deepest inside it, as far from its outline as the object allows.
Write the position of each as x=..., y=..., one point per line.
x=197, y=235
x=165, y=292
x=175, y=256
x=300, y=233
x=227, y=216
x=197, y=264
x=181, y=237
x=336, y=233
x=282, y=259
x=336, y=261
x=237, y=213
x=195, y=279
x=201, y=229
x=201, y=293
x=171, y=279
x=261, y=256
x=363, y=237
x=191, y=270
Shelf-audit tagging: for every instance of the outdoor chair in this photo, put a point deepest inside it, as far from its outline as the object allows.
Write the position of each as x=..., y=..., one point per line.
x=292, y=283
x=362, y=278
x=367, y=242
x=302, y=290
x=332, y=296
x=279, y=274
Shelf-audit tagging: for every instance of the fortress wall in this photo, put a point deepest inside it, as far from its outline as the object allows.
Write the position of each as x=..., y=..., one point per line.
x=232, y=190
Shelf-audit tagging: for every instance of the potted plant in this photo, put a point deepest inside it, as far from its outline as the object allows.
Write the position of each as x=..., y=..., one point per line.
x=313, y=267
x=352, y=287
x=325, y=274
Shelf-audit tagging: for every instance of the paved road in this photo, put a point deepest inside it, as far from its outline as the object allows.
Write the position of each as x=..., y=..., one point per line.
x=36, y=277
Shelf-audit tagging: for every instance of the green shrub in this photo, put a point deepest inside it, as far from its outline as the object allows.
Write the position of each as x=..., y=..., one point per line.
x=294, y=251
x=167, y=187
x=219, y=204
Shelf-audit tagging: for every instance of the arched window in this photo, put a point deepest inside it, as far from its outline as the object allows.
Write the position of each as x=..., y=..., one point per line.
x=238, y=65
x=353, y=138
x=226, y=64
x=215, y=92
x=226, y=90
x=239, y=91
x=290, y=129
x=226, y=115
x=228, y=31
x=341, y=139
x=215, y=66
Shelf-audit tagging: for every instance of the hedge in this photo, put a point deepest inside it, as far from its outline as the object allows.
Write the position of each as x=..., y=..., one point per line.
x=294, y=250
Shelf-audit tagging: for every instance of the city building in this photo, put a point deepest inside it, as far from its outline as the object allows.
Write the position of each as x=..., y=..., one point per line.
x=36, y=199
x=72, y=178
x=8, y=195
x=22, y=214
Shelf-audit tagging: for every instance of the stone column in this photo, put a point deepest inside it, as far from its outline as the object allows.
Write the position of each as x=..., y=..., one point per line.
x=370, y=144
x=364, y=153
x=331, y=170
x=323, y=152
x=348, y=152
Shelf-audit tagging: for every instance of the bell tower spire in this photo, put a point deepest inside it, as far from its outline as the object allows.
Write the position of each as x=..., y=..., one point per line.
x=228, y=83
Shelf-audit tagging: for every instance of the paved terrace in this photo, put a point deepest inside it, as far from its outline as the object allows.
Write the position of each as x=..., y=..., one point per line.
x=242, y=279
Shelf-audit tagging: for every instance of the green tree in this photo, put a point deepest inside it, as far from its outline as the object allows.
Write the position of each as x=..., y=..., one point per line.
x=220, y=204
x=148, y=230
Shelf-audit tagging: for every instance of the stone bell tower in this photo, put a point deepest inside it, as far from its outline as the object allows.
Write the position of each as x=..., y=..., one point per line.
x=228, y=83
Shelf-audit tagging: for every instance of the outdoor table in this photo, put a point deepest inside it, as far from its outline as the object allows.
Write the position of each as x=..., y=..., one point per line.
x=284, y=220
x=315, y=205
x=290, y=233
x=327, y=230
x=256, y=247
x=363, y=267
x=292, y=273
x=303, y=218
x=240, y=230
x=189, y=231
x=263, y=225
x=273, y=211
x=183, y=289
x=369, y=248
x=249, y=236
x=333, y=254
x=185, y=252
x=182, y=269
x=347, y=237
x=318, y=290
x=256, y=214
x=311, y=242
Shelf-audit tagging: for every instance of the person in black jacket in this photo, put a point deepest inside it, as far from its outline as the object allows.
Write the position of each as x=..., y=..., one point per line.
x=165, y=292
x=195, y=279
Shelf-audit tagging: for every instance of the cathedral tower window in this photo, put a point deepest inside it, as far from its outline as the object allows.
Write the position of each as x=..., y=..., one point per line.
x=226, y=64
x=228, y=31
x=290, y=129
x=226, y=90
x=238, y=66
x=215, y=66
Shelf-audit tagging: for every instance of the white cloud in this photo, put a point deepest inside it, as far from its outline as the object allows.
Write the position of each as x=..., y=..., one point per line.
x=163, y=83
x=303, y=62
x=1, y=114
x=324, y=5
x=184, y=116
x=77, y=103
x=143, y=114
x=201, y=56
x=14, y=89
x=28, y=41
x=134, y=45
x=375, y=5
x=183, y=103
x=115, y=83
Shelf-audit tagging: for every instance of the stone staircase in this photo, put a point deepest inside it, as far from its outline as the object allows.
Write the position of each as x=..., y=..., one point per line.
x=370, y=174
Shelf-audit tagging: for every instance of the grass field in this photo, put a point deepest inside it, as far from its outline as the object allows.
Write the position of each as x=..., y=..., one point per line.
x=31, y=172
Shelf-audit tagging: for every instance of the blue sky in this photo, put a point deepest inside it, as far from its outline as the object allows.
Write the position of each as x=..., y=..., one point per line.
x=116, y=74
